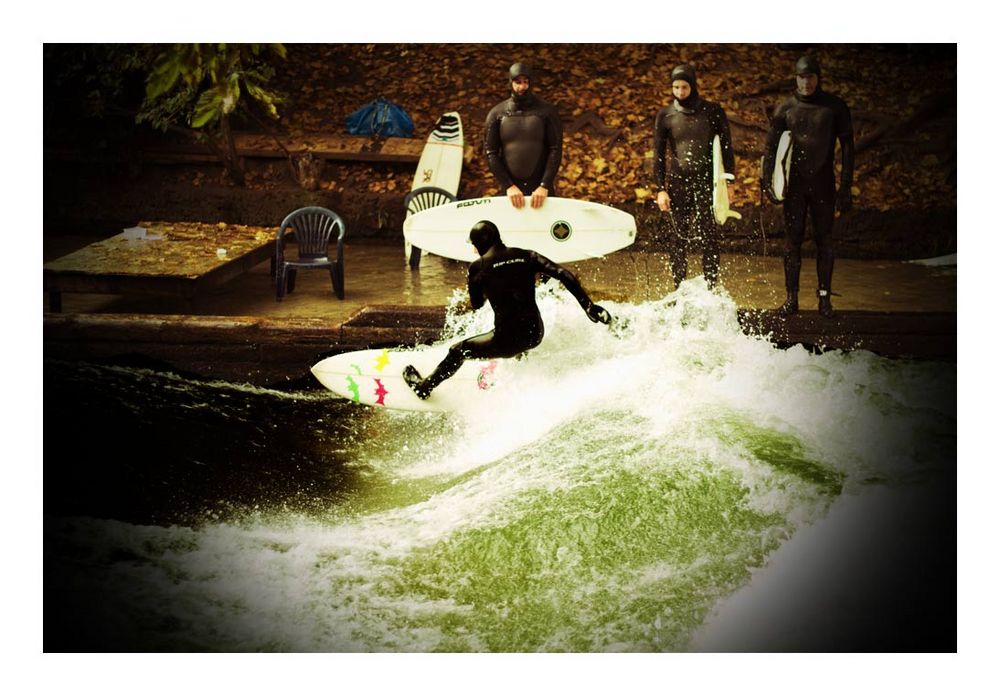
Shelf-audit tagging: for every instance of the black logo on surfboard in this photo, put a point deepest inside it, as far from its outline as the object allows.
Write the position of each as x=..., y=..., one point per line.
x=478, y=201
x=561, y=231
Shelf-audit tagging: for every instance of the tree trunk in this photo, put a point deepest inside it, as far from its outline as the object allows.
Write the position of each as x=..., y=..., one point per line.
x=231, y=160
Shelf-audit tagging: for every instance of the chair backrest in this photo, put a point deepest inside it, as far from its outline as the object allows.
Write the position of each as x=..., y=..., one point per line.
x=426, y=197
x=313, y=228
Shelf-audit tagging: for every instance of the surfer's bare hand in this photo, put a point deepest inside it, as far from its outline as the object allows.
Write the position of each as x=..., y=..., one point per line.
x=663, y=201
x=538, y=197
x=515, y=196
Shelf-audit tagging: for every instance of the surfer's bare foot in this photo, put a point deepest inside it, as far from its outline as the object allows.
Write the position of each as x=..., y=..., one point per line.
x=415, y=381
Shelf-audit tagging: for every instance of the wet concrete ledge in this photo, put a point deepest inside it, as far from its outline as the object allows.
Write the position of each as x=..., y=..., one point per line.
x=279, y=352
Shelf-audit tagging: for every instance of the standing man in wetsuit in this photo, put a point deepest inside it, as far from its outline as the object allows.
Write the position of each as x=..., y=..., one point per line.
x=816, y=120
x=682, y=169
x=523, y=142
x=506, y=277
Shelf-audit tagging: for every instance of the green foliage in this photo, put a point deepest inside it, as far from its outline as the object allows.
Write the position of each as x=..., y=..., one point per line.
x=201, y=85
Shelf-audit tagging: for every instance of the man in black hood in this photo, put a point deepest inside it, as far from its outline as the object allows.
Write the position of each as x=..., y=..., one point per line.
x=682, y=169
x=523, y=141
x=506, y=277
x=816, y=121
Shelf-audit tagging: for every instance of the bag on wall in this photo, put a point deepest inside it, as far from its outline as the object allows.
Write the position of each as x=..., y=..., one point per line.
x=382, y=118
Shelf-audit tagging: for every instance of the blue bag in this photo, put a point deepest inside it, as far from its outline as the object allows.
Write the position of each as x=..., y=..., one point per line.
x=382, y=118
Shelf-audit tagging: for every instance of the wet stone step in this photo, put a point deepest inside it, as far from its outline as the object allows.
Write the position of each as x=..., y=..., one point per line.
x=277, y=352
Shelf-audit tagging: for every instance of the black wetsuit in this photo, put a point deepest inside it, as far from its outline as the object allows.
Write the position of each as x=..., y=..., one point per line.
x=505, y=276
x=816, y=123
x=685, y=134
x=523, y=143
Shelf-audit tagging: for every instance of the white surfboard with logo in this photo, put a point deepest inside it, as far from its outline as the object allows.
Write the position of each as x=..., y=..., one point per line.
x=563, y=229
x=440, y=166
x=375, y=377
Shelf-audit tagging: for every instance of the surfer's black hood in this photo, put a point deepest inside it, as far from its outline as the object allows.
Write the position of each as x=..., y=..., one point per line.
x=804, y=66
x=528, y=98
x=484, y=235
x=686, y=72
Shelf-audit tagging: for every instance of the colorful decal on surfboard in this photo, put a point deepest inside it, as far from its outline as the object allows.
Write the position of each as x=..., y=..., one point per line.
x=353, y=387
x=561, y=230
x=428, y=175
x=487, y=375
x=382, y=361
x=380, y=392
x=389, y=389
x=446, y=128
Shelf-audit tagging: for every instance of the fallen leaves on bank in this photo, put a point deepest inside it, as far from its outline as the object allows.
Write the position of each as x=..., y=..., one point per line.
x=616, y=89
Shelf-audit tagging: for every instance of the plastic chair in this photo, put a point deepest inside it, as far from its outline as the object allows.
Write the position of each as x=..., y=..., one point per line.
x=313, y=227
x=421, y=199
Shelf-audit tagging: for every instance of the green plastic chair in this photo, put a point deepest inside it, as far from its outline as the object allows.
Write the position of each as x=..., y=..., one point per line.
x=313, y=228
x=422, y=199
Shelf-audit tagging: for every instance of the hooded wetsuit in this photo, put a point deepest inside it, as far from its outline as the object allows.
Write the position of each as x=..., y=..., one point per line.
x=682, y=166
x=505, y=276
x=523, y=143
x=816, y=123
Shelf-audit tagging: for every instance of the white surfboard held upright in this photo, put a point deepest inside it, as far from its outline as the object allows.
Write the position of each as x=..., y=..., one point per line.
x=375, y=377
x=440, y=164
x=720, y=190
x=782, y=165
x=563, y=229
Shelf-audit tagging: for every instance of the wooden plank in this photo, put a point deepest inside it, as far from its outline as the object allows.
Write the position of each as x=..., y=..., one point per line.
x=349, y=148
x=346, y=148
x=329, y=146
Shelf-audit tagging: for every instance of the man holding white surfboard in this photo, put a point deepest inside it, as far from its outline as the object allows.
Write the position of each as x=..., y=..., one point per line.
x=523, y=142
x=816, y=121
x=683, y=143
x=504, y=276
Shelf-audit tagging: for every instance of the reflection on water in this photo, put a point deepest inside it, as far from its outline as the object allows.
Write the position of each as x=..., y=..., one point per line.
x=608, y=493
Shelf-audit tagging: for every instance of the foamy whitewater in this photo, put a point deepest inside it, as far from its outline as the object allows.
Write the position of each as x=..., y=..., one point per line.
x=610, y=493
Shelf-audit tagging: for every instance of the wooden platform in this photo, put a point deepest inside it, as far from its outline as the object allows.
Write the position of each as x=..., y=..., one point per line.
x=279, y=352
x=168, y=259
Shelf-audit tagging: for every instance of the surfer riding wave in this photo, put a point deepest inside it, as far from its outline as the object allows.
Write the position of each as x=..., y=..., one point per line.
x=506, y=277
